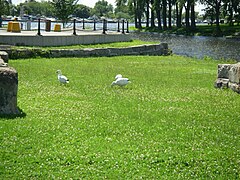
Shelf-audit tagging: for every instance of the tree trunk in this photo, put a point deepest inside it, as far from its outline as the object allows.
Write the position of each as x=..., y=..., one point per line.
x=147, y=13
x=158, y=12
x=169, y=14
x=179, y=16
x=193, y=24
x=187, y=8
x=217, y=8
x=231, y=16
x=0, y=21
x=164, y=14
x=135, y=14
x=139, y=17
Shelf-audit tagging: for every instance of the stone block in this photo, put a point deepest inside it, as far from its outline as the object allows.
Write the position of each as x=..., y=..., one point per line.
x=234, y=73
x=223, y=70
x=221, y=83
x=8, y=91
x=235, y=87
x=4, y=56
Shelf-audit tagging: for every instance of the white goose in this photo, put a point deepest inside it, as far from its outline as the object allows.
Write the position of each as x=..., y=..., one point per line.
x=118, y=76
x=120, y=81
x=62, y=79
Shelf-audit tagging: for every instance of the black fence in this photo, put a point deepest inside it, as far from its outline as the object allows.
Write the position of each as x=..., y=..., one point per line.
x=121, y=26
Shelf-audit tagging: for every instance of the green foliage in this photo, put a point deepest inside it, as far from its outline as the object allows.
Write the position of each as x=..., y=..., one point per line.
x=4, y=9
x=169, y=123
x=35, y=8
x=64, y=8
x=102, y=8
x=82, y=11
x=4, y=6
x=121, y=15
x=201, y=30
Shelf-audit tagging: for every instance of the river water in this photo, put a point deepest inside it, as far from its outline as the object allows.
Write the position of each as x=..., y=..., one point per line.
x=196, y=46
x=193, y=46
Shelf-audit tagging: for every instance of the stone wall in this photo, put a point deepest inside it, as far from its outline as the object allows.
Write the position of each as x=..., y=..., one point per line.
x=228, y=77
x=152, y=49
x=155, y=49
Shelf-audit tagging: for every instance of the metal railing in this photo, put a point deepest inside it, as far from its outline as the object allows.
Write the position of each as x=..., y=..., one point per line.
x=75, y=26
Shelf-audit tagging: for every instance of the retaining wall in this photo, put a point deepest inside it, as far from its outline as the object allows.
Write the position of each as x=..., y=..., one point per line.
x=152, y=49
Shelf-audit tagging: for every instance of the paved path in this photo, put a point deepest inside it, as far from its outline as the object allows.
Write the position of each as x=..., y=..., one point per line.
x=3, y=32
x=65, y=37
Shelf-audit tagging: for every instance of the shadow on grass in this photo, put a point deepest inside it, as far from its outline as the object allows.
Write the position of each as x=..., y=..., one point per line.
x=21, y=114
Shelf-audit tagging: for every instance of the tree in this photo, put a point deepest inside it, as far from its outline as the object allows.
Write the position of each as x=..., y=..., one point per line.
x=187, y=13
x=137, y=7
x=121, y=6
x=4, y=9
x=82, y=11
x=215, y=5
x=102, y=8
x=231, y=10
x=164, y=13
x=179, y=9
x=46, y=8
x=147, y=14
x=157, y=7
x=193, y=18
x=122, y=10
x=169, y=14
x=63, y=9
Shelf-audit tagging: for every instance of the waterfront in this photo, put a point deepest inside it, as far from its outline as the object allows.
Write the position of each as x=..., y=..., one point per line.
x=196, y=46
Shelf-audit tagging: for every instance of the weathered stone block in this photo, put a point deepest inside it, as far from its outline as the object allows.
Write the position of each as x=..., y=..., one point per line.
x=8, y=90
x=235, y=87
x=4, y=56
x=223, y=70
x=234, y=73
x=221, y=83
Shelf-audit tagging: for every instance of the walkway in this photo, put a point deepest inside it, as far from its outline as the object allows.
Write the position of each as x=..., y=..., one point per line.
x=30, y=38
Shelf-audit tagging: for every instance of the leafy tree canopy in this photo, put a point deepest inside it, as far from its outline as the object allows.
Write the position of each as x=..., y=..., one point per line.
x=64, y=8
x=102, y=8
x=82, y=11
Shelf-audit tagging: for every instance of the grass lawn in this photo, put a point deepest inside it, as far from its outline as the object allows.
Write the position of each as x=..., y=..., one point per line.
x=169, y=123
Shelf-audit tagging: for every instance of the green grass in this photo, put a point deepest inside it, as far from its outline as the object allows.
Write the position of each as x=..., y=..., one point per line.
x=169, y=123
x=104, y=45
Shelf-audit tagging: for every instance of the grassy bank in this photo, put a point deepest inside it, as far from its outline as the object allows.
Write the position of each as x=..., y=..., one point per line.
x=23, y=52
x=169, y=123
x=201, y=30
x=82, y=46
